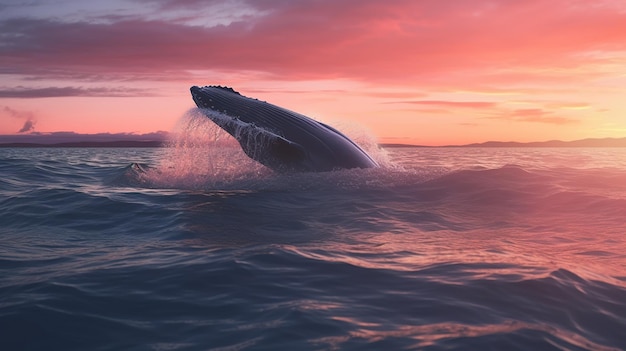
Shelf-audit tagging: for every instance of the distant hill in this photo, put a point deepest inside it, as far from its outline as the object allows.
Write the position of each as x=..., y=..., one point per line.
x=71, y=139
x=402, y=145
x=121, y=143
x=591, y=142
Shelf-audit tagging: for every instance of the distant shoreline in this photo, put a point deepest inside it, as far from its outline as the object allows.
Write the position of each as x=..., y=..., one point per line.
x=78, y=144
x=603, y=142
x=591, y=142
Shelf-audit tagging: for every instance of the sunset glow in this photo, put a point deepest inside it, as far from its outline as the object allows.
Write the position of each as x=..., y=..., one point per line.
x=425, y=72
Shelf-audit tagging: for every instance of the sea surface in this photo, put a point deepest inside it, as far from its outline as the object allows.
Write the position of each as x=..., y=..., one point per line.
x=189, y=248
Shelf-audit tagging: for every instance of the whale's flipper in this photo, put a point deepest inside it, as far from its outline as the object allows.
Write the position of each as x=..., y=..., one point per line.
x=276, y=137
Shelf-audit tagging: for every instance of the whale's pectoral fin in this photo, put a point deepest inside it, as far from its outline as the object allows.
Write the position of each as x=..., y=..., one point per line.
x=271, y=150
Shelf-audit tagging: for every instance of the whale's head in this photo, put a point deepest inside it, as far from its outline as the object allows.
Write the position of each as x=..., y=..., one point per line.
x=205, y=97
x=196, y=95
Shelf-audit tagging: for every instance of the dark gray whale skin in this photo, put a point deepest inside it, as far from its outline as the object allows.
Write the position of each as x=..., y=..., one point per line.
x=280, y=139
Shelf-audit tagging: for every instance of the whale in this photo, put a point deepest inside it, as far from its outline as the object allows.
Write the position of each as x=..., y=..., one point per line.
x=278, y=138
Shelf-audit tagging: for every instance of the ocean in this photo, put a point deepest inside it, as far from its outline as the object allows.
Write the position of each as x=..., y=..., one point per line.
x=189, y=248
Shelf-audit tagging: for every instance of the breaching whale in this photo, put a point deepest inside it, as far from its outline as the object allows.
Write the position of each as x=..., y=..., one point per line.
x=278, y=138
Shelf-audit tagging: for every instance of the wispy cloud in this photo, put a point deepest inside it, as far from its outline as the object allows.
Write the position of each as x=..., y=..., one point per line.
x=452, y=104
x=17, y=114
x=26, y=93
x=539, y=116
x=27, y=116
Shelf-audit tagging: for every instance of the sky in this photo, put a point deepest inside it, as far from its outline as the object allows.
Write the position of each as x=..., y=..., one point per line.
x=426, y=72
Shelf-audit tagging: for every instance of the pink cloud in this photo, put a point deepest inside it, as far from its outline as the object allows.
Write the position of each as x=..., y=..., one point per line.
x=397, y=41
x=452, y=104
x=539, y=116
x=47, y=92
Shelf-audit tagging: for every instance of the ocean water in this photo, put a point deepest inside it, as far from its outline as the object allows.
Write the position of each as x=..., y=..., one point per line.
x=189, y=248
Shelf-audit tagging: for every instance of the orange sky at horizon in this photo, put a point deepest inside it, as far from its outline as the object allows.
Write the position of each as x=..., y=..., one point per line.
x=412, y=71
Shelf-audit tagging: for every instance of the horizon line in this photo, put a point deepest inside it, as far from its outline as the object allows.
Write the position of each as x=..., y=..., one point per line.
x=156, y=138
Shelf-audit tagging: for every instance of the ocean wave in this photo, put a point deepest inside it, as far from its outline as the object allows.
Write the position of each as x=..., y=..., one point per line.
x=288, y=297
x=469, y=253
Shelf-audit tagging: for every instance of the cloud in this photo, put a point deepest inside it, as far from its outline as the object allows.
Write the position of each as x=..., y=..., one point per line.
x=451, y=104
x=398, y=41
x=27, y=116
x=23, y=92
x=29, y=126
x=17, y=114
x=539, y=116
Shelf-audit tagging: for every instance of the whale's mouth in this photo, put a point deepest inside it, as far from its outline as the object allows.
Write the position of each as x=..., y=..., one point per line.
x=203, y=100
x=196, y=95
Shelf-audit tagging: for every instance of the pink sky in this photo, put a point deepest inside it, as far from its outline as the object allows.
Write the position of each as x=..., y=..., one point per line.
x=426, y=72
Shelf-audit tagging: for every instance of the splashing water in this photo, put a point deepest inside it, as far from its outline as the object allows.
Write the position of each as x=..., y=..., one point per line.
x=365, y=139
x=201, y=155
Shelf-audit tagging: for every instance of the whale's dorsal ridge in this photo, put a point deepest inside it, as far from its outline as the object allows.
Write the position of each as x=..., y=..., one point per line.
x=226, y=88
